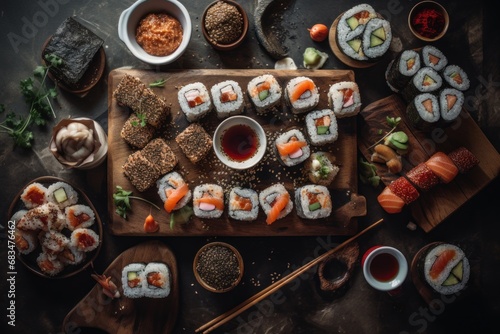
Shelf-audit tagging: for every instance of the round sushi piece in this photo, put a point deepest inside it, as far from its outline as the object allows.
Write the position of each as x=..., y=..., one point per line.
x=451, y=102
x=49, y=264
x=442, y=166
x=446, y=269
x=79, y=215
x=322, y=127
x=276, y=203
x=320, y=168
x=401, y=70
x=243, y=204
x=26, y=241
x=173, y=191
x=195, y=101
x=208, y=201
x=45, y=217
x=156, y=280
x=84, y=239
x=132, y=280
x=53, y=242
x=265, y=92
x=422, y=177
x=344, y=99
x=402, y=188
x=292, y=148
x=423, y=111
x=301, y=94
x=34, y=195
x=433, y=57
x=18, y=215
x=456, y=77
x=313, y=202
x=377, y=38
x=71, y=255
x=62, y=194
x=426, y=80
x=227, y=98
x=464, y=159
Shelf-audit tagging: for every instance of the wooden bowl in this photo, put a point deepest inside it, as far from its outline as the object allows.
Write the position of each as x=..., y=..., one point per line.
x=441, y=16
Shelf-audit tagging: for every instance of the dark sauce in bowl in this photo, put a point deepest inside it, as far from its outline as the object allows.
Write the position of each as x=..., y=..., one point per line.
x=384, y=267
x=239, y=142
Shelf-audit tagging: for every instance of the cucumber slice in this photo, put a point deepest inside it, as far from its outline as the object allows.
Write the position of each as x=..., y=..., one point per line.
x=380, y=33
x=60, y=195
x=428, y=81
x=458, y=271
x=399, y=145
x=131, y=275
x=314, y=206
x=355, y=44
x=400, y=136
x=352, y=22
x=263, y=95
x=322, y=129
x=375, y=41
x=451, y=280
x=311, y=56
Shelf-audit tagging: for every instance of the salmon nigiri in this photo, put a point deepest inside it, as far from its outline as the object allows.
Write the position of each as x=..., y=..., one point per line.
x=279, y=204
x=390, y=202
x=442, y=166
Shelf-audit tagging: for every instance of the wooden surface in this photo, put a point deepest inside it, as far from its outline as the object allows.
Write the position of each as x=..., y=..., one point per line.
x=347, y=204
x=125, y=315
x=434, y=206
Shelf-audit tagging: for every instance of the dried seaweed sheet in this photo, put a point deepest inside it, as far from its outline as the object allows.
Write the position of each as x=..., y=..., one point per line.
x=76, y=45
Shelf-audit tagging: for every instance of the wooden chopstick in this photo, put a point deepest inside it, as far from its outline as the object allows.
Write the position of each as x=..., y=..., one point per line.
x=225, y=317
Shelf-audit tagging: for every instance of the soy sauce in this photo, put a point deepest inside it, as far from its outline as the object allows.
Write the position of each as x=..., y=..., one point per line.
x=384, y=267
x=239, y=142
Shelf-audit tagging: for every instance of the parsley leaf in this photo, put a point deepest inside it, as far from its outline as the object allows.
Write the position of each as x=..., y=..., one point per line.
x=121, y=199
x=158, y=83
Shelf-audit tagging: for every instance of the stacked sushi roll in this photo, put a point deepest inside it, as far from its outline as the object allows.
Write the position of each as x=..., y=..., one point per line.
x=451, y=101
x=426, y=80
x=423, y=111
x=313, y=202
x=265, y=92
x=243, y=204
x=292, y=147
x=195, y=101
x=344, y=99
x=322, y=127
x=401, y=70
x=151, y=280
x=208, y=201
x=301, y=95
x=276, y=203
x=228, y=98
x=173, y=191
x=433, y=57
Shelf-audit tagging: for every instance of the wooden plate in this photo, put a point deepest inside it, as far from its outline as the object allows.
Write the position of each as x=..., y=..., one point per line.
x=124, y=315
x=347, y=205
x=29, y=260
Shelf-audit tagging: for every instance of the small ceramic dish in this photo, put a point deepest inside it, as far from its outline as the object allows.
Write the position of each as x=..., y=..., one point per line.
x=428, y=21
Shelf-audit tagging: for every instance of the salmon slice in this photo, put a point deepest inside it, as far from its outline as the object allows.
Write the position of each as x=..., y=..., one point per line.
x=279, y=204
x=433, y=59
x=323, y=121
x=292, y=146
x=450, y=100
x=442, y=166
x=301, y=88
x=441, y=262
x=427, y=105
x=242, y=203
x=410, y=63
x=457, y=78
x=390, y=202
x=174, y=196
x=348, y=97
x=214, y=202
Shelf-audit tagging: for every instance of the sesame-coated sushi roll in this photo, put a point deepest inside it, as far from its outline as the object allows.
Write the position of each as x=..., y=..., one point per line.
x=451, y=102
x=292, y=148
x=265, y=92
x=377, y=38
x=423, y=111
x=243, y=204
x=62, y=194
x=195, y=101
x=156, y=280
x=276, y=203
x=79, y=215
x=301, y=94
x=422, y=177
x=456, y=77
x=464, y=159
x=433, y=57
x=34, y=195
x=426, y=80
x=208, y=201
x=344, y=99
x=228, y=98
x=84, y=239
x=401, y=70
x=173, y=191
x=53, y=242
x=320, y=168
x=313, y=202
x=133, y=279
x=402, y=188
x=322, y=127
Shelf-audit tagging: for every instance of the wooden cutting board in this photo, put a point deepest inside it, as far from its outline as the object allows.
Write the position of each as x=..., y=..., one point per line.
x=125, y=315
x=347, y=204
x=434, y=206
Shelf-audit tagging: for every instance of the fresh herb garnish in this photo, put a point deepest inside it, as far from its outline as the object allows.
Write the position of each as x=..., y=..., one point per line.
x=142, y=120
x=368, y=173
x=181, y=216
x=122, y=197
x=158, y=83
x=393, y=123
x=38, y=96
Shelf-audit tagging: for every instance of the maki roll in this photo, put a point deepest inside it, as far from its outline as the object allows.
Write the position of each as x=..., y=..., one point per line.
x=49, y=264
x=84, y=239
x=301, y=94
x=422, y=177
x=71, y=255
x=265, y=92
x=62, y=194
x=451, y=101
x=26, y=241
x=45, y=217
x=34, y=195
x=208, y=201
x=313, y=202
x=322, y=127
x=53, y=242
x=320, y=169
x=377, y=38
x=433, y=57
x=156, y=282
x=464, y=159
x=426, y=80
x=456, y=77
x=292, y=148
x=228, y=98
x=276, y=203
x=401, y=70
x=79, y=215
x=423, y=111
x=243, y=204
x=173, y=191
x=132, y=280
x=446, y=269
x=195, y=101
x=442, y=166
x=344, y=99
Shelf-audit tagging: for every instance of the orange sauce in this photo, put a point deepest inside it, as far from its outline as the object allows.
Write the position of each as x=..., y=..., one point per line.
x=159, y=34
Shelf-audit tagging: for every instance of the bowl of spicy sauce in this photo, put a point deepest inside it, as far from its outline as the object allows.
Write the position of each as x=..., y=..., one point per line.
x=428, y=21
x=239, y=142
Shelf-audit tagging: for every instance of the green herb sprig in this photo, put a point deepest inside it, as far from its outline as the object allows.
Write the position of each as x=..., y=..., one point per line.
x=158, y=83
x=142, y=120
x=121, y=199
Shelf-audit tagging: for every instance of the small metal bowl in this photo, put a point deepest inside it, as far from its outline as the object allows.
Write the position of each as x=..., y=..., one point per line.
x=233, y=45
x=417, y=28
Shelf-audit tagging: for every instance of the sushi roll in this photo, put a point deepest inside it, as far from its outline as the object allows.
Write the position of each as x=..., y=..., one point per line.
x=173, y=191
x=401, y=70
x=195, y=101
x=49, y=264
x=276, y=203
x=53, y=242
x=313, y=202
x=265, y=92
x=377, y=38
x=79, y=215
x=45, y=217
x=208, y=201
x=228, y=98
x=292, y=148
x=456, y=77
x=423, y=111
x=71, y=255
x=301, y=94
x=62, y=194
x=451, y=101
x=464, y=159
x=322, y=127
x=446, y=269
x=160, y=154
x=320, y=169
x=243, y=204
x=26, y=241
x=344, y=99
x=34, y=195
x=156, y=282
x=84, y=239
x=442, y=166
x=195, y=142
x=426, y=80
x=132, y=280
x=422, y=177
x=433, y=57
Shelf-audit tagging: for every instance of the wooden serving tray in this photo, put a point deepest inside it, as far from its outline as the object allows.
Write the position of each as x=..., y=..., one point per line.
x=434, y=206
x=347, y=205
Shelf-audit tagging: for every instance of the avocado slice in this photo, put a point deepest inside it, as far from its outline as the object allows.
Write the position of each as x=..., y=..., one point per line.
x=428, y=81
x=60, y=195
x=311, y=56
x=322, y=129
x=315, y=206
x=380, y=33
x=375, y=41
x=451, y=280
x=355, y=44
x=400, y=136
x=458, y=270
x=352, y=22
x=131, y=275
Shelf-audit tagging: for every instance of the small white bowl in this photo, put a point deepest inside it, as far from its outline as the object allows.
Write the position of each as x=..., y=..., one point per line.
x=251, y=161
x=394, y=282
x=130, y=18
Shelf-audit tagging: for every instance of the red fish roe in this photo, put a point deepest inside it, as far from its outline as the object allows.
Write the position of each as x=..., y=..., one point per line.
x=423, y=177
x=402, y=188
x=428, y=22
x=463, y=159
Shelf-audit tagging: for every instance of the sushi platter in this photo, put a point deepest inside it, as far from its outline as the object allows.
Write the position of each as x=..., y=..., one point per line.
x=435, y=205
x=347, y=204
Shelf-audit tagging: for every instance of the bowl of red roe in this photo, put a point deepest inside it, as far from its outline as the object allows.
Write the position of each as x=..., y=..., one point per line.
x=428, y=21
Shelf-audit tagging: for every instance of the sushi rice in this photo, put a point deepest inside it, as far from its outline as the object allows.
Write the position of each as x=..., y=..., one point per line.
x=313, y=202
x=451, y=101
x=84, y=239
x=433, y=57
x=195, y=101
x=301, y=94
x=243, y=204
x=208, y=201
x=156, y=280
x=294, y=157
x=456, y=77
x=322, y=127
x=426, y=80
x=132, y=280
x=265, y=92
x=377, y=38
x=62, y=194
x=269, y=195
x=173, y=180
x=228, y=98
x=344, y=99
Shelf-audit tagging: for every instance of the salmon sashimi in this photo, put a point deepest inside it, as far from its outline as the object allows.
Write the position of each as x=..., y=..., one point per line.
x=441, y=262
x=174, y=195
x=208, y=203
x=279, y=204
x=300, y=89
x=390, y=202
x=442, y=166
x=290, y=147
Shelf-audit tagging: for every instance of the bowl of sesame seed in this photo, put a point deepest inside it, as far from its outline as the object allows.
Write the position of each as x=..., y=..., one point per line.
x=224, y=24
